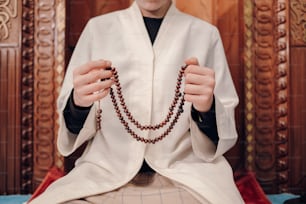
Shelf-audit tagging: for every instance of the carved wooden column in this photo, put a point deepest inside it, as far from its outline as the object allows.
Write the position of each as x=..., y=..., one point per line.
x=266, y=92
x=282, y=74
x=49, y=46
x=27, y=96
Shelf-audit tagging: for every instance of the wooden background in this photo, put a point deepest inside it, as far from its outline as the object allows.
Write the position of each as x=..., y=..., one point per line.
x=265, y=44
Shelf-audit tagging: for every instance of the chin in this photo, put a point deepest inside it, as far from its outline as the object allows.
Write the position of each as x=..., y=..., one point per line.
x=152, y=5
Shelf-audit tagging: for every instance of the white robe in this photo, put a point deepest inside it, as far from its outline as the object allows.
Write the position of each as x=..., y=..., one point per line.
x=148, y=76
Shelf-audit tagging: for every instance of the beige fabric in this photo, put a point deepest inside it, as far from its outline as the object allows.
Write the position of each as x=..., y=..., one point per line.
x=143, y=189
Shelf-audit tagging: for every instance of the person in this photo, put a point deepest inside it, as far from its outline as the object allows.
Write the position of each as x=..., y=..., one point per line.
x=149, y=89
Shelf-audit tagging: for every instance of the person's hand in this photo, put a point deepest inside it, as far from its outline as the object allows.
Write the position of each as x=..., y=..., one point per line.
x=199, y=85
x=91, y=82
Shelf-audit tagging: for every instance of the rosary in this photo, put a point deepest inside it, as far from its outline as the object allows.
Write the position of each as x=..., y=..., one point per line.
x=177, y=100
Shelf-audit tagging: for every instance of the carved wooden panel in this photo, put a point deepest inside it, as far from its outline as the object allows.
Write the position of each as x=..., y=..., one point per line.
x=297, y=142
x=48, y=73
x=44, y=61
x=297, y=162
x=9, y=113
x=263, y=93
x=10, y=51
x=298, y=22
x=9, y=27
x=267, y=68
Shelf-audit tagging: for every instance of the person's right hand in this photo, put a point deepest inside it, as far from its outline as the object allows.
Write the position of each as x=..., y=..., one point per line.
x=91, y=82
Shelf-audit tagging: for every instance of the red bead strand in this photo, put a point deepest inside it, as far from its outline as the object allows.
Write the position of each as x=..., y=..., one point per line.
x=171, y=108
x=177, y=97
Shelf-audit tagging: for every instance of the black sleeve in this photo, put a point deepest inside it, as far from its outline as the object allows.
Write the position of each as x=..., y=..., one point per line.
x=74, y=115
x=206, y=122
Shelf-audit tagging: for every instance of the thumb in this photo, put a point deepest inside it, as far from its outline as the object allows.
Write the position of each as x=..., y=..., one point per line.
x=192, y=61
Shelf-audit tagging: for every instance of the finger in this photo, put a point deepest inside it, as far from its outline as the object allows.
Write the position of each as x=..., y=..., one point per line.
x=197, y=99
x=92, y=77
x=98, y=64
x=194, y=78
x=194, y=98
x=199, y=79
x=94, y=88
x=85, y=95
x=192, y=89
x=195, y=69
x=192, y=61
x=201, y=103
x=87, y=100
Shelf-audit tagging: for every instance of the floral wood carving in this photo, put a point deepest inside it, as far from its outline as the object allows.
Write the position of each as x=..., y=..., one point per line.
x=298, y=22
x=8, y=11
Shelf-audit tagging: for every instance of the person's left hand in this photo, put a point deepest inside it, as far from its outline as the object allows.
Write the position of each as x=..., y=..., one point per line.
x=199, y=85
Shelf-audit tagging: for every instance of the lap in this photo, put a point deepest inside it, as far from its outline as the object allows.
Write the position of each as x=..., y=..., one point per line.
x=145, y=188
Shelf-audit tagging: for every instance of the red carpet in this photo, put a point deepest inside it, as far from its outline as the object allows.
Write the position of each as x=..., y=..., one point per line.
x=51, y=176
x=250, y=189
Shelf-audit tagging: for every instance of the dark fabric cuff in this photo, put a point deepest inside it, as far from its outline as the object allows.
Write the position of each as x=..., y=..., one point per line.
x=74, y=115
x=206, y=122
